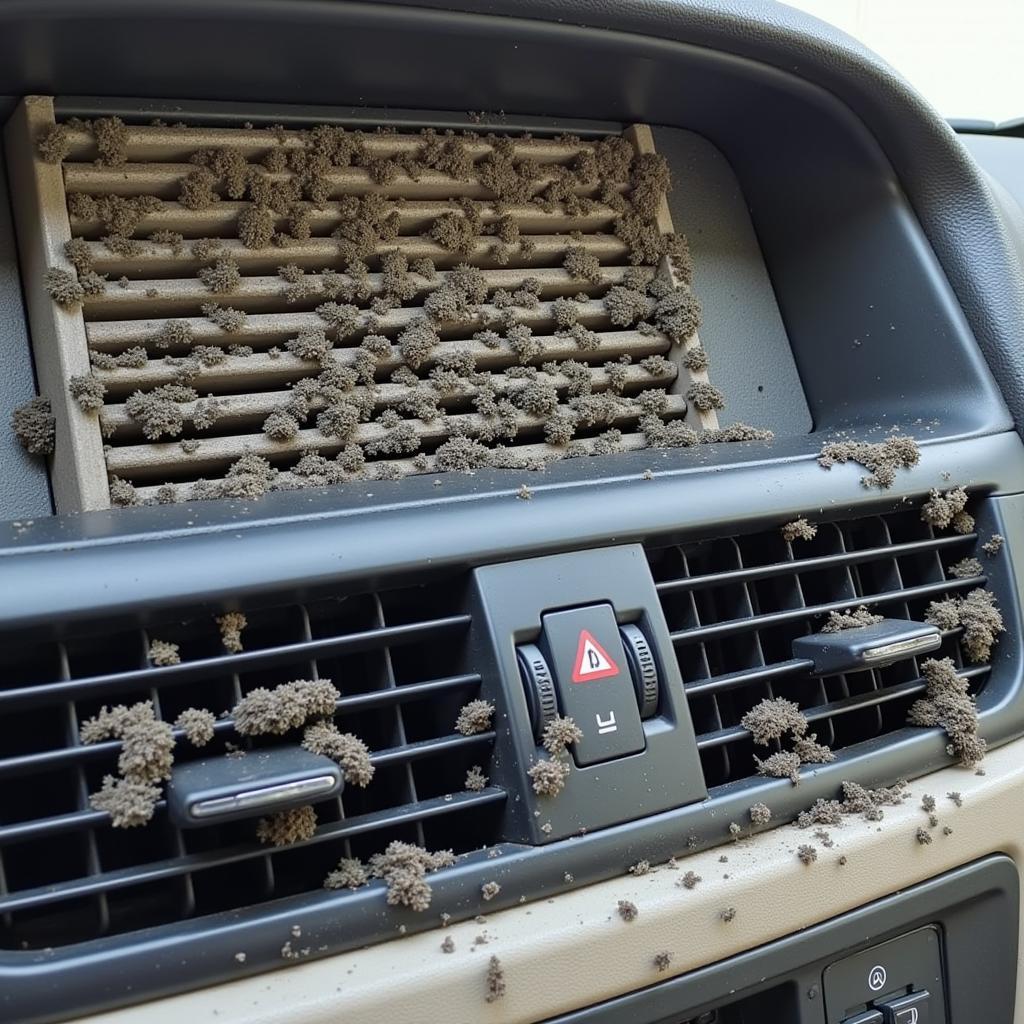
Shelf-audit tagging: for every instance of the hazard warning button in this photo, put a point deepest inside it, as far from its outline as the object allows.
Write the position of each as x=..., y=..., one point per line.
x=595, y=687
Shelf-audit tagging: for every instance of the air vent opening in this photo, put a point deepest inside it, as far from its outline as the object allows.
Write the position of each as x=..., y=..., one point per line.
x=399, y=659
x=735, y=605
x=527, y=357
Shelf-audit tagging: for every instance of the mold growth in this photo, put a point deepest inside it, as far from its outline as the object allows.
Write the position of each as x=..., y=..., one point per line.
x=965, y=569
x=231, y=625
x=287, y=827
x=948, y=510
x=855, y=800
x=857, y=618
x=774, y=720
x=403, y=867
x=799, y=529
x=949, y=705
x=548, y=776
x=977, y=614
x=350, y=873
x=34, y=426
x=475, y=717
x=162, y=653
x=288, y=706
x=627, y=910
x=197, y=724
x=993, y=545
x=496, y=986
x=559, y=734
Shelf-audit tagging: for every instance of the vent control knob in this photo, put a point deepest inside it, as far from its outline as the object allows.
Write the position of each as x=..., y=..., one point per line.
x=642, y=667
x=540, y=687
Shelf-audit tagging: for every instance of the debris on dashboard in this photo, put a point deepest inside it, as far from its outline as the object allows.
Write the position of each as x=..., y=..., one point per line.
x=948, y=510
x=806, y=854
x=760, y=814
x=548, y=776
x=977, y=614
x=662, y=961
x=881, y=459
x=495, y=980
x=776, y=719
x=627, y=910
x=350, y=873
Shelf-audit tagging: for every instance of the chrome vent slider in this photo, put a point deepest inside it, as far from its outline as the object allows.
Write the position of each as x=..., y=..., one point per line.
x=866, y=647
x=218, y=789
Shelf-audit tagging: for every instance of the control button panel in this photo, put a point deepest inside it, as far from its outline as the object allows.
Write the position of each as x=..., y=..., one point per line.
x=896, y=982
x=594, y=683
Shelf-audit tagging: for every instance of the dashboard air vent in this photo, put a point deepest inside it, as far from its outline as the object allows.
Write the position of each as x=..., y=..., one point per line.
x=735, y=605
x=397, y=657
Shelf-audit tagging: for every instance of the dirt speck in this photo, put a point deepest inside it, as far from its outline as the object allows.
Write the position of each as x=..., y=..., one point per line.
x=923, y=836
x=87, y=391
x=965, y=569
x=807, y=854
x=662, y=961
x=223, y=277
x=799, y=529
x=957, y=799
x=627, y=910
x=34, y=426
x=689, y=880
x=727, y=915
x=559, y=734
x=54, y=145
x=475, y=779
x=64, y=288
x=641, y=867
x=548, y=776
x=495, y=980
x=231, y=625
x=344, y=747
x=489, y=890
x=760, y=814
x=448, y=946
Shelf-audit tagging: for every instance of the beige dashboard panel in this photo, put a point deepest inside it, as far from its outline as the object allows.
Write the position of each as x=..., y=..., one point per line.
x=575, y=950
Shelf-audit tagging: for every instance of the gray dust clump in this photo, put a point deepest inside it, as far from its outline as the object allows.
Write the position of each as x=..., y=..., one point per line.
x=448, y=946
x=993, y=545
x=34, y=426
x=163, y=653
x=548, y=777
x=689, y=880
x=799, y=529
x=727, y=915
x=495, y=980
x=403, y=868
x=287, y=827
x=559, y=734
x=782, y=765
x=760, y=814
x=111, y=135
x=662, y=961
x=343, y=747
x=176, y=333
x=122, y=493
x=641, y=867
x=475, y=717
x=87, y=391
x=53, y=146
x=705, y=396
x=949, y=705
x=231, y=625
x=923, y=836
x=263, y=712
x=349, y=874
x=978, y=615
x=223, y=277
x=64, y=288
x=227, y=319
x=489, y=890
x=627, y=910
x=475, y=779
x=881, y=459
x=855, y=619
x=957, y=799
x=945, y=510
x=856, y=799
x=197, y=725
x=928, y=803
x=807, y=854
x=773, y=718
x=280, y=425
x=129, y=802
x=965, y=569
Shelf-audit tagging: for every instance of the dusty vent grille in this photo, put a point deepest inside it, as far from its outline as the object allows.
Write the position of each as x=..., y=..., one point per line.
x=249, y=372
x=735, y=605
x=67, y=876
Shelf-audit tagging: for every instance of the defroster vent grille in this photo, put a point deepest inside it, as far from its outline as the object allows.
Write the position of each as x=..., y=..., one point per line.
x=735, y=605
x=397, y=657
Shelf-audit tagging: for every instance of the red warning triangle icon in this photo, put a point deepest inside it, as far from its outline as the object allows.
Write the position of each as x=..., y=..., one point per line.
x=592, y=660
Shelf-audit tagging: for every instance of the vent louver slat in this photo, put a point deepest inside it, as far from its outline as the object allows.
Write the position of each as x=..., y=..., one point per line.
x=735, y=605
x=543, y=316
x=68, y=875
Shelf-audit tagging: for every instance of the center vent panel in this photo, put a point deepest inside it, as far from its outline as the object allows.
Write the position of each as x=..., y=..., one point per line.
x=208, y=295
